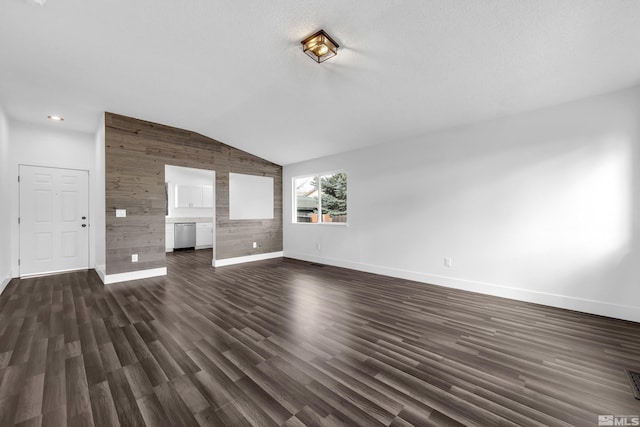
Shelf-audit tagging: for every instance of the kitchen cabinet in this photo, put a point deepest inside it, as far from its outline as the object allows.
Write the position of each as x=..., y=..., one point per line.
x=168, y=239
x=204, y=235
x=188, y=196
x=183, y=196
x=207, y=196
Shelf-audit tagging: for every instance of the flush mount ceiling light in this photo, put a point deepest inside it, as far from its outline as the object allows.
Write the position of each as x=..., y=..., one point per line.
x=56, y=118
x=320, y=46
x=36, y=2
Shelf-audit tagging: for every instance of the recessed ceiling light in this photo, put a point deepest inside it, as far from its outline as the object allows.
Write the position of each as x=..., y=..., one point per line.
x=37, y=2
x=56, y=118
x=320, y=46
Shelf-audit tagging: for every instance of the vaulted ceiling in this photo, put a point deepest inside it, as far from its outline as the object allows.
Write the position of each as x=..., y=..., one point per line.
x=235, y=71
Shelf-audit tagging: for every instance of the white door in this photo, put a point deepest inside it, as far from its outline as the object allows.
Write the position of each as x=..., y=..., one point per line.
x=54, y=220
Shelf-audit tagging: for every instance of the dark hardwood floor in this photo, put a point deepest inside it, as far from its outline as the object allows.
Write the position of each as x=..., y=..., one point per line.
x=283, y=342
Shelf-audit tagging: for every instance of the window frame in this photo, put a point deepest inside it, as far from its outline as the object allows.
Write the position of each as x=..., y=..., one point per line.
x=294, y=213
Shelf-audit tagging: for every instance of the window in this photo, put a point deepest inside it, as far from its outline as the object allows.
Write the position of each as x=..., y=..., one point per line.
x=321, y=199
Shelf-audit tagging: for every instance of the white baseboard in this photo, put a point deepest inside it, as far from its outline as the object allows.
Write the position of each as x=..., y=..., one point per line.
x=248, y=258
x=624, y=312
x=4, y=283
x=108, y=279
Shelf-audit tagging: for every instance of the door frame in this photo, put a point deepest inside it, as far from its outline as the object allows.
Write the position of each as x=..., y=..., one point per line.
x=215, y=213
x=89, y=231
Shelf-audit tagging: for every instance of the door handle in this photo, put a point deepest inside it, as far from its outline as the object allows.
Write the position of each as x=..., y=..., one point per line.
x=84, y=217
x=84, y=225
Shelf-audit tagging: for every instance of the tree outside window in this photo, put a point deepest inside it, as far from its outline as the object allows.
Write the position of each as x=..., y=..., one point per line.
x=321, y=198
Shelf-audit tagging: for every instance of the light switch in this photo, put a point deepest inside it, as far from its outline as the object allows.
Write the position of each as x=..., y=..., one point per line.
x=121, y=213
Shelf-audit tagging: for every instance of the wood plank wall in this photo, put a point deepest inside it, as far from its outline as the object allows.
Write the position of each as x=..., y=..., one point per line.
x=136, y=154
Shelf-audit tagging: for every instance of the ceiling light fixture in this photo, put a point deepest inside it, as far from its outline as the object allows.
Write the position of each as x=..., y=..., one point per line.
x=56, y=118
x=320, y=46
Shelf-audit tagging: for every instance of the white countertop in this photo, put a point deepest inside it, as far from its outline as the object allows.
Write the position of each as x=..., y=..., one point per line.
x=173, y=220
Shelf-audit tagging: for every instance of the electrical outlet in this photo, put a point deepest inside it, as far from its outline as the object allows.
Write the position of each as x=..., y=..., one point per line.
x=134, y=257
x=121, y=213
x=255, y=245
x=448, y=262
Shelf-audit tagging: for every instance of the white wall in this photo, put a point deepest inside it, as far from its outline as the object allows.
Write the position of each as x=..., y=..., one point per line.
x=98, y=215
x=177, y=175
x=5, y=194
x=38, y=145
x=250, y=196
x=541, y=207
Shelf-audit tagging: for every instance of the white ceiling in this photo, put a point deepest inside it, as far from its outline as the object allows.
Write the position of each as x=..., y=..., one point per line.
x=235, y=71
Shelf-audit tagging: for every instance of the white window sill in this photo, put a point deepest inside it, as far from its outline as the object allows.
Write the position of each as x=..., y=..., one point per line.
x=330, y=224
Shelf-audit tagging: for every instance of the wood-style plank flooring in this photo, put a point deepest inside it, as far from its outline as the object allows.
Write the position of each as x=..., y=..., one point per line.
x=283, y=342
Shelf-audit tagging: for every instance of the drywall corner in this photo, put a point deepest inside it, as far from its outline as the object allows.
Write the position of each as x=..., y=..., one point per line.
x=5, y=195
x=98, y=221
x=4, y=283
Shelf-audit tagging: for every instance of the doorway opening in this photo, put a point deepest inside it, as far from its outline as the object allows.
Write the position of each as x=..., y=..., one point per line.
x=190, y=211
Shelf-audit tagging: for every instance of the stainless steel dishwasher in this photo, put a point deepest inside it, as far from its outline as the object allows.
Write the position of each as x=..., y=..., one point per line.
x=185, y=235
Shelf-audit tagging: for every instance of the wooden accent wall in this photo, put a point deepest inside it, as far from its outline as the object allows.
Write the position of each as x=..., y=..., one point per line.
x=136, y=153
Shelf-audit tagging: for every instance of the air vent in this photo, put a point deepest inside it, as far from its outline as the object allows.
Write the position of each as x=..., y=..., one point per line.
x=634, y=378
